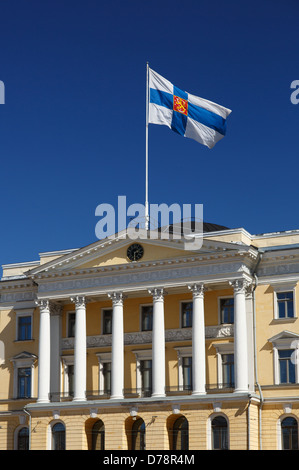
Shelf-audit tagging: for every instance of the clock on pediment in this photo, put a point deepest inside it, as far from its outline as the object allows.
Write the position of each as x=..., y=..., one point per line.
x=135, y=252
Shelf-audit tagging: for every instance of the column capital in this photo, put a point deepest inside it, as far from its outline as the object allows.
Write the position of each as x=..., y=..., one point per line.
x=79, y=301
x=55, y=308
x=157, y=293
x=42, y=303
x=117, y=298
x=240, y=286
x=197, y=289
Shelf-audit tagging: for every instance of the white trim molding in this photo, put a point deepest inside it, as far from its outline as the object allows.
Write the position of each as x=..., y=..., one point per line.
x=282, y=341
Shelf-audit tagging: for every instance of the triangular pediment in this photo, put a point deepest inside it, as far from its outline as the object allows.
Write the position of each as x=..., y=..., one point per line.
x=113, y=252
x=284, y=336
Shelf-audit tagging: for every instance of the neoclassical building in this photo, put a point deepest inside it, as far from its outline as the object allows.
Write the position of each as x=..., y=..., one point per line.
x=143, y=344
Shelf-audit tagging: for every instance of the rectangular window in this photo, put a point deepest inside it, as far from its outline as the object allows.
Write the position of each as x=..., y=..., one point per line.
x=24, y=382
x=71, y=325
x=146, y=318
x=24, y=328
x=186, y=314
x=187, y=373
x=285, y=304
x=286, y=366
x=228, y=373
x=107, y=377
x=107, y=321
x=70, y=377
x=227, y=310
x=146, y=377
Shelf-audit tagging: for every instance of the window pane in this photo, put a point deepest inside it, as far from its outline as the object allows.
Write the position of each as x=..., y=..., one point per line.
x=281, y=310
x=24, y=382
x=107, y=376
x=107, y=322
x=58, y=434
x=146, y=375
x=71, y=325
x=24, y=330
x=70, y=376
x=187, y=308
x=290, y=309
x=285, y=304
x=187, y=373
x=219, y=433
x=228, y=369
x=287, y=367
x=147, y=317
x=23, y=439
x=289, y=431
x=227, y=310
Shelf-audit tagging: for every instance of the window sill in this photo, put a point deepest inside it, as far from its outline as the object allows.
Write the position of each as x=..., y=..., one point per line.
x=31, y=340
x=283, y=320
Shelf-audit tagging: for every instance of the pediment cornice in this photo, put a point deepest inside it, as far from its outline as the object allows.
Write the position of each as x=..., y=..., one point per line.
x=72, y=263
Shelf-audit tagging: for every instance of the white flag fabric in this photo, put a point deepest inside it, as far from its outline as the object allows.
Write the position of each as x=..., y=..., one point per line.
x=186, y=114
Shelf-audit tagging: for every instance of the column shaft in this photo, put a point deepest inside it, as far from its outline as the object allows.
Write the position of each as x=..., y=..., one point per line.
x=80, y=349
x=158, y=344
x=240, y=337
x=44, y=352
x=117, y=350
x=198, y=341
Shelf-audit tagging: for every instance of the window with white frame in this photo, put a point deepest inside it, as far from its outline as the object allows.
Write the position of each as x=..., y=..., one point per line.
x=184, y=367
x=225, y=364
x=104, y=373
x=24, y=326
x=285, y=356
x=284, y=300
x=68, y=369
x=23, y=364
x=143, y=371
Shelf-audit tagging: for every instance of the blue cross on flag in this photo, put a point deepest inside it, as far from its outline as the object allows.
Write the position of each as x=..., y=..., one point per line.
x=186, y=114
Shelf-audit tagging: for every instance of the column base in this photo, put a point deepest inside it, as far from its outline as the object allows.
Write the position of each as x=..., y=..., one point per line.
x=158, y=395
x=42, y=400
x=241, y=390
x=79, y=399
x=195, y=393
x=116, y=397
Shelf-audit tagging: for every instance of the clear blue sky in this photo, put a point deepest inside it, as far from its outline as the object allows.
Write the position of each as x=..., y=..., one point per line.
x=72, y=130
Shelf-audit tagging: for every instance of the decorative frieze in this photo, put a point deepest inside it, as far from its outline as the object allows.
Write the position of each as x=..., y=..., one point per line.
x=101, y=281
x=145, y=337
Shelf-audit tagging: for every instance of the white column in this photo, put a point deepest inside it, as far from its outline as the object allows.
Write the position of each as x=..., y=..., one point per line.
x=198, y=341
x=158, y=344
x=44, y=352
x=117, y=349
x=80, y=349
x=240, y=336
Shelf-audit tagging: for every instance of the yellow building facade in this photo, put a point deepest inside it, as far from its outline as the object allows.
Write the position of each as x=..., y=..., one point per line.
x=143, y=344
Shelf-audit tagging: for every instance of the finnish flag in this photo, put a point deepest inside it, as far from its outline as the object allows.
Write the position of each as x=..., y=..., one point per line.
x=186, y=114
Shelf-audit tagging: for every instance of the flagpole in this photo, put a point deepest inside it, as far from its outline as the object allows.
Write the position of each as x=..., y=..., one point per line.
x=146, y=153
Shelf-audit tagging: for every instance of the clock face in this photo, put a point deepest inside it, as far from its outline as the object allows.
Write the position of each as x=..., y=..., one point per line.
x=135, y=252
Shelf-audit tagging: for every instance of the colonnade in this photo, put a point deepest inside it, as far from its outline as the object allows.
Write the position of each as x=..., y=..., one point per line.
x=158, y=344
